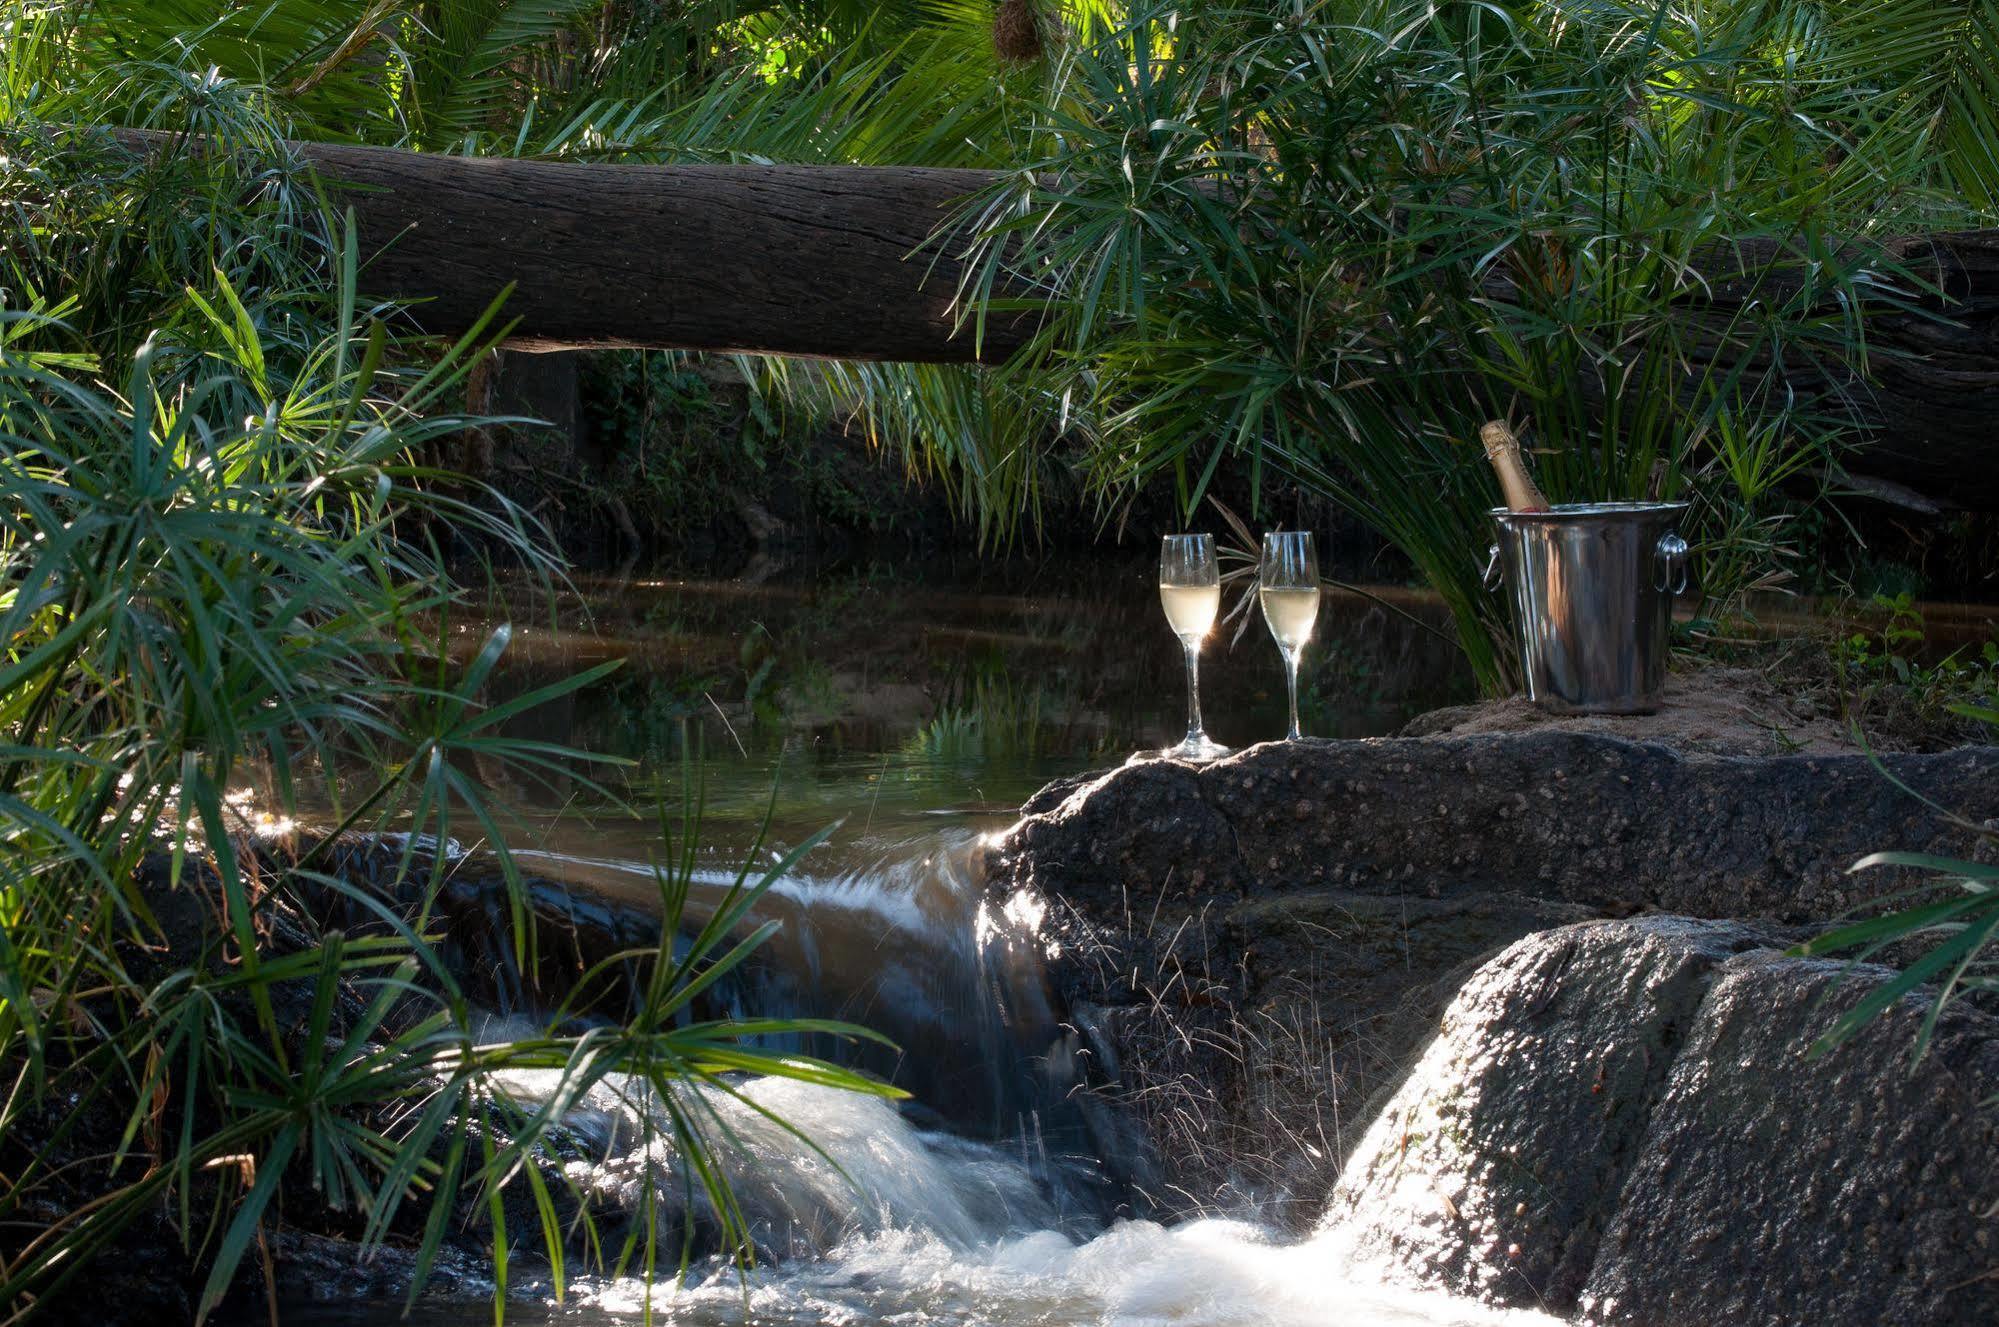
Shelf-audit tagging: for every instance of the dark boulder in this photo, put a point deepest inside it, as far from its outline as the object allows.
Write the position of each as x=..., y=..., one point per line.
x=1626, y=1118
x=1253, y=950
x=1776, y=1188
x=1496, y=1166
x=1571, y=816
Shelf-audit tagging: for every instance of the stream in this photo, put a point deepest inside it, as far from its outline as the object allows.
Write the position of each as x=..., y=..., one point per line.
x=916, y=709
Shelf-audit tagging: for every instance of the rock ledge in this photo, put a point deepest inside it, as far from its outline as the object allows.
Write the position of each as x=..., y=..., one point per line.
x=1254, y=950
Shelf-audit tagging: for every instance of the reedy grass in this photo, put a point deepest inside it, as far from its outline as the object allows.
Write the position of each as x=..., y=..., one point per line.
x=218, y=565
x=1948, y=928
x=1334, y=244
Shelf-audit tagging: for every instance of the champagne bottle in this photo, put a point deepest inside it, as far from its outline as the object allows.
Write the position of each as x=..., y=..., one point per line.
x=1503, y=450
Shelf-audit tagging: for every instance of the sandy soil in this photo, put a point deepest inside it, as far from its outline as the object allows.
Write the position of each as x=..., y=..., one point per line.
x=1720, y=710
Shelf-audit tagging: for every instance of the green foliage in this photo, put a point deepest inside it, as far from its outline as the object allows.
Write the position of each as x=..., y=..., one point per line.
x=1953, y=925
x=1882, y=650
x=103, y=242
x=689, y=440
x=912, y=82
x=983, y=436
x=216, y=571
x=668, y=438
x=1931, y=69
x=1333, y=245
x=1948, y=924
x=994, y=718
x=1327, y=246
x=1892, y=655
x=805, y=81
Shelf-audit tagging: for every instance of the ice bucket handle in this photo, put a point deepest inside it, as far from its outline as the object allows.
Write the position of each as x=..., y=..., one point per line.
x=1490, y=576
x=1669, y=571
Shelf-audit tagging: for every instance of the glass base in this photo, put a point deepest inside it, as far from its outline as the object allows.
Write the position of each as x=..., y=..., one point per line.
x=1195, y=749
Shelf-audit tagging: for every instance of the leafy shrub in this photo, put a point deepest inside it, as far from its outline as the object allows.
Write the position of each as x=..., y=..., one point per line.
x=217, y=570
x=1893, y=655
x=1330, y=244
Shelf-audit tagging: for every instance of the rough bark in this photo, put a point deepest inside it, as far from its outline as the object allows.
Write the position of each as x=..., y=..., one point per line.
x=1936, y=391
x=822, y=261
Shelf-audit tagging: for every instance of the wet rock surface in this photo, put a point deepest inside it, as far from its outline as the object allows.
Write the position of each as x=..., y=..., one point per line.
x=1253, y=951
x=321, y=1269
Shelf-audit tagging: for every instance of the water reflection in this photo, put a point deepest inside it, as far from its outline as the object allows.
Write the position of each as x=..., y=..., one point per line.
x=892, y=695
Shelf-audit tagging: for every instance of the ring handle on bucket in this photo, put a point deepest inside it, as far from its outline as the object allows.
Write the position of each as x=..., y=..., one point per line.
x=1671, y=556
x=1490, y=576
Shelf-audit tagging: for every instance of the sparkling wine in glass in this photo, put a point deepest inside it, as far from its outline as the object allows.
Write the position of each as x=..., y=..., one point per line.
x=1287, y=585
x=1190, y=590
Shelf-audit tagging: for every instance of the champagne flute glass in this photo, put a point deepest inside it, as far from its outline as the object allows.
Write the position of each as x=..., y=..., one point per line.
x=1190, y=590
x=1287, y=585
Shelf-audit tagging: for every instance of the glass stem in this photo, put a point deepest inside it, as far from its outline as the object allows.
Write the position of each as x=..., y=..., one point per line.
x=1192, y=644
x=1291, y=683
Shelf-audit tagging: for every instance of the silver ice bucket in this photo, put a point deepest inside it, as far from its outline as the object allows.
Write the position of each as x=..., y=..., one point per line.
x=1593, y=586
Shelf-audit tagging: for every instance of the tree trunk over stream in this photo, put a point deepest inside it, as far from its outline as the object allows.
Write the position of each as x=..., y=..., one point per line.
x=832, y=262
x=825, y=261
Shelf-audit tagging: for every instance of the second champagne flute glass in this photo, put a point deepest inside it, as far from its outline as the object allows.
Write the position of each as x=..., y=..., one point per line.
x=1190, y=590
x=1287, y=585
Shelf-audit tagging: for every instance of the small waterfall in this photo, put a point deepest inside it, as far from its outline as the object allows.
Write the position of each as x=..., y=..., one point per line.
x=994, y=1198
x=926, y=1229
x=866, y=1170
x=908, y=947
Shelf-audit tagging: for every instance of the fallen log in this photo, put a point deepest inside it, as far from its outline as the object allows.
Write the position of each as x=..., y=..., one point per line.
x=833, y=262
x=821, y=261
x=1934, y=400
x=788, y=260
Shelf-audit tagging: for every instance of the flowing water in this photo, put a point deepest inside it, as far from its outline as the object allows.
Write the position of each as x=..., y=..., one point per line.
x=937, y=1231
x=918, y=714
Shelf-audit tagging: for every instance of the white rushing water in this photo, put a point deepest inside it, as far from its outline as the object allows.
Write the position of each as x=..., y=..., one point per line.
x=880, y=1221
x=899, y=1225
x=1137, y=1274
